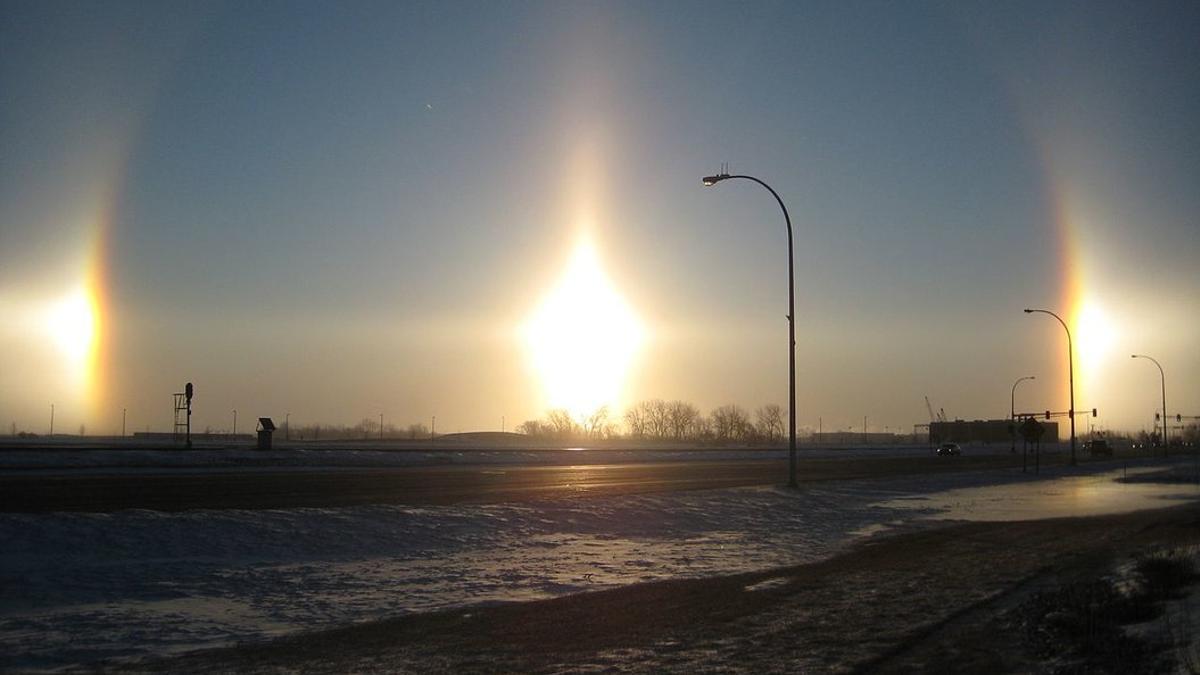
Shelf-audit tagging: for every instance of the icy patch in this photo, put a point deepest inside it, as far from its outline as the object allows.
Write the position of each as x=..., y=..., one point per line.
x=767, y=584
x=1069, y=496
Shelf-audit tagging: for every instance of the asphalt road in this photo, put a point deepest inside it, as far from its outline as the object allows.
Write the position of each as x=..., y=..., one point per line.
x=34, y=492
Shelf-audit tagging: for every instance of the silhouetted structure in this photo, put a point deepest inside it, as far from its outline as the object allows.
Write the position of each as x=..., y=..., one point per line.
x=265, y=428
x=982, y=431
x=183, y=415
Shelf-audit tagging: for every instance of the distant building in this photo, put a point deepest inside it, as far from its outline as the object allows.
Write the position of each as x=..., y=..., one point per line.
x=985, y=431
x=856, y=438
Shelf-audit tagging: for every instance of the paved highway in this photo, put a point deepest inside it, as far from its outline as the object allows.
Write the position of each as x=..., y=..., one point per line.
x=175, y=490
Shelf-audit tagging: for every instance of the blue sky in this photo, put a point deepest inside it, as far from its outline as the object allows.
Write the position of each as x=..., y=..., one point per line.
x=337, y=210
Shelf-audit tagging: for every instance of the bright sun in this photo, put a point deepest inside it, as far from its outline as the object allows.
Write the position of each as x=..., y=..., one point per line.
x=583, y=338
x=71, y=324
x=1095, y=334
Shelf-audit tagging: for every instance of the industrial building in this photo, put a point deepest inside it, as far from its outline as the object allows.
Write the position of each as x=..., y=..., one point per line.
x=985, y=431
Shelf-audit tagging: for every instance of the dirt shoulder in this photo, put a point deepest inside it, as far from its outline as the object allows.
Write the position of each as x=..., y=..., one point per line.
x=896, y=603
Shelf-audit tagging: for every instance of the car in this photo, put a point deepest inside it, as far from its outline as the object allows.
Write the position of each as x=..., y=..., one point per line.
x=1098, y=447
x=949, y=449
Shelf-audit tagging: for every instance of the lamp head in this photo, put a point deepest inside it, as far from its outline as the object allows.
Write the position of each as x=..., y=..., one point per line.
x=1029, y=311
x=710, y=181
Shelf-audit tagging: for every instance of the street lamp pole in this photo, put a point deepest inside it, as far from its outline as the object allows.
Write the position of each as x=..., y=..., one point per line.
x=1012, y=408
x=709, y=181
x=1070, y=374
x=235, y=422
x=1163, y=379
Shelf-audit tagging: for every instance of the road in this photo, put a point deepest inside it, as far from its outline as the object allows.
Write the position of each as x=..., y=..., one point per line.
x=167, y=490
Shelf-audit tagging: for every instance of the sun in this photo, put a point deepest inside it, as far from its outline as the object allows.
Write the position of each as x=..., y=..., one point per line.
x=70, y=324
x=1096, y=337
x=583, y=338
x=1095, y=334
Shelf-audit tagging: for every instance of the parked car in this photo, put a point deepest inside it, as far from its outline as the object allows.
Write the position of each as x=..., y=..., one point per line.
x=1098, y=447
x=949, y=449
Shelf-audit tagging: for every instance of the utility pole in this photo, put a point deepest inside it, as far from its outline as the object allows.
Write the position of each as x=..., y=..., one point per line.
x=433, y=427
x=235, y=421
x=51, y=419
x=122, y=423
x=381, y=426
x=287, y=426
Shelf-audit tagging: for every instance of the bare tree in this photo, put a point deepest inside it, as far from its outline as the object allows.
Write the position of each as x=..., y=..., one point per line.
x=681, y=415
x=731, y=423
x=532, y=428
x=635, y=420
x=415, y=431
x=597, y=424
x=658, y=418
x=769, y=422
x=562, y=424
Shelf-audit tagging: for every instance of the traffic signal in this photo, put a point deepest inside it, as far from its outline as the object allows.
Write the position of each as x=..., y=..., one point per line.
x=1047, y=414
x=1179, y=417
x=1093, y=412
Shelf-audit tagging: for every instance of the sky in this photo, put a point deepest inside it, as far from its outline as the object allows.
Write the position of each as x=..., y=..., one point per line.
x=478, y=211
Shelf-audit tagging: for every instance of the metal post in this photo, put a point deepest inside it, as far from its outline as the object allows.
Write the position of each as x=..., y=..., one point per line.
x=287, y=426
x=791, y=317
x=1070, y=374
x=381, y=426
x=235, y=422
x=122, y=423
x=52, y=419
x=1163, y=380
x=1012, y=410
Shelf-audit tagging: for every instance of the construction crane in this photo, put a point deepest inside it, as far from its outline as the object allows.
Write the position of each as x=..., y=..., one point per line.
x=939, y=417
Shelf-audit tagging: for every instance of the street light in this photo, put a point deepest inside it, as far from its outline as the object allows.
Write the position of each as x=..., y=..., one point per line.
x=1012, y=408
x=1070, y=374
x=1164, y=395
x=710, y=181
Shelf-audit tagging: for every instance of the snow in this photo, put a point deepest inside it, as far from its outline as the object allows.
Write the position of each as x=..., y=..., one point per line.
x=76, y=588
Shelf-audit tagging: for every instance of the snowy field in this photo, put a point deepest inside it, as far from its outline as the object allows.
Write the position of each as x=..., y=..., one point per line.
x=77, y=588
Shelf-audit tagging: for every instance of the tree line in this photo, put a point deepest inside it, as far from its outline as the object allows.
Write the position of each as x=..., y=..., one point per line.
x=661, y=420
